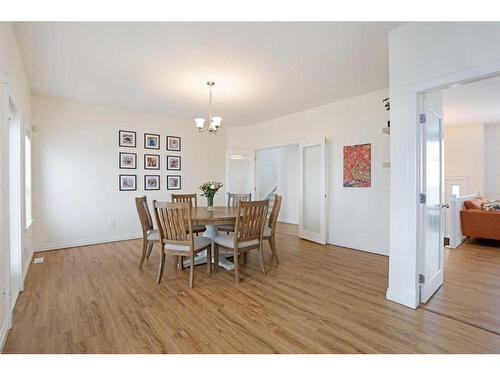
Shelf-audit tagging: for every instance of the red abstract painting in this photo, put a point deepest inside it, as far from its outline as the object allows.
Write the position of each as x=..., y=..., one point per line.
x=358, y=165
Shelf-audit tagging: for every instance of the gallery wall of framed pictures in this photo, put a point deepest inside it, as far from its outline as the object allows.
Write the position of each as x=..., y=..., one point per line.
x=152, y=155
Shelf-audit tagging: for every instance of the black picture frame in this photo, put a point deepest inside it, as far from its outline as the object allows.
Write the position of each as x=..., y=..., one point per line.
x=171, y=177
x=120, y=160
x=146, y=156
x=146, y=184
x=120, y=144
x=120, y=182
x=169, y=157
x=149, y=147
x=171, y=137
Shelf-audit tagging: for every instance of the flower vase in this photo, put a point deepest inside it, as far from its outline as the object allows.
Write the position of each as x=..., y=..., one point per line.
x=210, y=204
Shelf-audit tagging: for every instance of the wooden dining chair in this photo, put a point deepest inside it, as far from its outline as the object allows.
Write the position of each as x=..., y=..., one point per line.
x=270, y=228
x=172, y=219
x=232, y=201
x=249, y=228
x=193, y=201
x=150, y=236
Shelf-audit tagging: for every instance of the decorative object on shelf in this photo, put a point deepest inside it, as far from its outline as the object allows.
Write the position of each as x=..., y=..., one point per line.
x=173, y=182
x=387, y=105
x=173, y=143
x=357, y=165
x=151, y=161
x=214, y=122
x=126, y=138
x=173, y=163
x=128, y=160
x=151, y=182
x=128, y=182
x=152, y=141
x=210, y=188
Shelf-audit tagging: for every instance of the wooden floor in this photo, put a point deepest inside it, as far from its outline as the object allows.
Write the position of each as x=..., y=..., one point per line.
x=471, y=288
x=319, y=299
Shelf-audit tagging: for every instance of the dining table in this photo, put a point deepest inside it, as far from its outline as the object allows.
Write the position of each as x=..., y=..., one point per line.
x=211, y=218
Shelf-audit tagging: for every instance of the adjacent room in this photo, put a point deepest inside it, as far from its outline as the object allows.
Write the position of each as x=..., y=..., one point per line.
x=249, y=187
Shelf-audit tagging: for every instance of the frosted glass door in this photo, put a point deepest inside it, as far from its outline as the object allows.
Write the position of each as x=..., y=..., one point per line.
x=240, y=172
x=312, y=220
x=432, y=200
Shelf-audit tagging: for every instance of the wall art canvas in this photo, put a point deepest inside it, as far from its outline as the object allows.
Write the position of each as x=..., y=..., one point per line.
x=358, y=165
x=128, y=182
x=174, y=182
x=126, y=138
x=173, y=163
x=128, y=160
x=151, y=161
x=152, y=141
x=151, y=182
x=173, y=143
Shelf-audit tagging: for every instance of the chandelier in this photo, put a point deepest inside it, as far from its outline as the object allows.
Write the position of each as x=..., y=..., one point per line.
x=215, y=122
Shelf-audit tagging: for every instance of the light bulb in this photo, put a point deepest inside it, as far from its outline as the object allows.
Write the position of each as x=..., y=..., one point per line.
x=200, y=122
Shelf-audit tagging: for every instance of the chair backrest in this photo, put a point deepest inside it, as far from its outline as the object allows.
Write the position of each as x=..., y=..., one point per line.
x=250, y=220
x=233, y=199
x=273, y=219
x=189, y=198
x=144, y=215
x=174, y=223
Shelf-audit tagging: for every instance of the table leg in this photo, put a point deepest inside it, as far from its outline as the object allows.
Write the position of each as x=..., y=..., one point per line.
x=211, y=232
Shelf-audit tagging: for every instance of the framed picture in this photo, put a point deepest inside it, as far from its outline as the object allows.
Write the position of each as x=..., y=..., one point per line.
x=128, y=182
x=126, y=138
x=358, y=166
x=173, y=182
x=173, y=163
x=151, y=161
x=152, y=141
x=151, y=182
x=128, y=160
x=173, y=143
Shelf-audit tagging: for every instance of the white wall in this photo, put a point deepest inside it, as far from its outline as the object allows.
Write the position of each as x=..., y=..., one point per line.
x=418, y=53
x=279, y=166
x=492, y=161
x=358, y=217
x=76, y=170
x=13, y=76
x=464, y=155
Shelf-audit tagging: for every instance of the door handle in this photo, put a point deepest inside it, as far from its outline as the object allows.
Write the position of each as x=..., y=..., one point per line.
x=445, y=205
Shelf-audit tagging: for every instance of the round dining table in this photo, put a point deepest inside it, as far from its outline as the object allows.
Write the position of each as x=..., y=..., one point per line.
x=210, y=219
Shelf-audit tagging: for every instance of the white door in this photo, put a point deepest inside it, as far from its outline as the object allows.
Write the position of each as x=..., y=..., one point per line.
x=431, y=199
x=312, y=191
x=240, y=172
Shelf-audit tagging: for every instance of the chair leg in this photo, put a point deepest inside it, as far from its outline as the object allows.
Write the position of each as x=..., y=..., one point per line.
x=272, y=244
x=144, y=251
x=261, y=259
x=150, y=249
x=236, y=266
x=216, y=257
x=162, y=266
x=191, y=272
x=209, y=259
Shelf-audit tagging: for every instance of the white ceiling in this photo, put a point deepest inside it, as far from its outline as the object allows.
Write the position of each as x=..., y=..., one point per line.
x=261, y=70
x=472, y=103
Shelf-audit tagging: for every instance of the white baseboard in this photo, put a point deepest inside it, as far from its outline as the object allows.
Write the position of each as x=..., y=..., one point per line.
x=4, y=331
x=408, y=299
x=87, y=242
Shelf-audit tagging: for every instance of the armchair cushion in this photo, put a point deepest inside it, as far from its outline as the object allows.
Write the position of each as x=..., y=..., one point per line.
x=199, y=243
x=228, y=241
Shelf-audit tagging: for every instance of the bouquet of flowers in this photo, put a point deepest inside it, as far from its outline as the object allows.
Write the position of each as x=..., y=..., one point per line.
x=210, y=188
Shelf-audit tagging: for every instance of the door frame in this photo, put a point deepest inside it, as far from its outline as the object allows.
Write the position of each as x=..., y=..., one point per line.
x=414, y=91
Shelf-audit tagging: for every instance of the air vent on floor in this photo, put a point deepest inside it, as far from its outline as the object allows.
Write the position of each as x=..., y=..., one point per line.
x=38, y=260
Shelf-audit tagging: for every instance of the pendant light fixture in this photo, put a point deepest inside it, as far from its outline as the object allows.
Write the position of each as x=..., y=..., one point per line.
x=214, y=122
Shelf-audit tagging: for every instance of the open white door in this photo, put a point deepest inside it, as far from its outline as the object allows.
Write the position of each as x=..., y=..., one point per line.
x=240, y=172
x=431, y=197
x=312, y=191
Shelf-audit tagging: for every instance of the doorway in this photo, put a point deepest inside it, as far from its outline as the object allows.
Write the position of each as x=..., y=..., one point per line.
x=459, y=162
x=15, y=245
